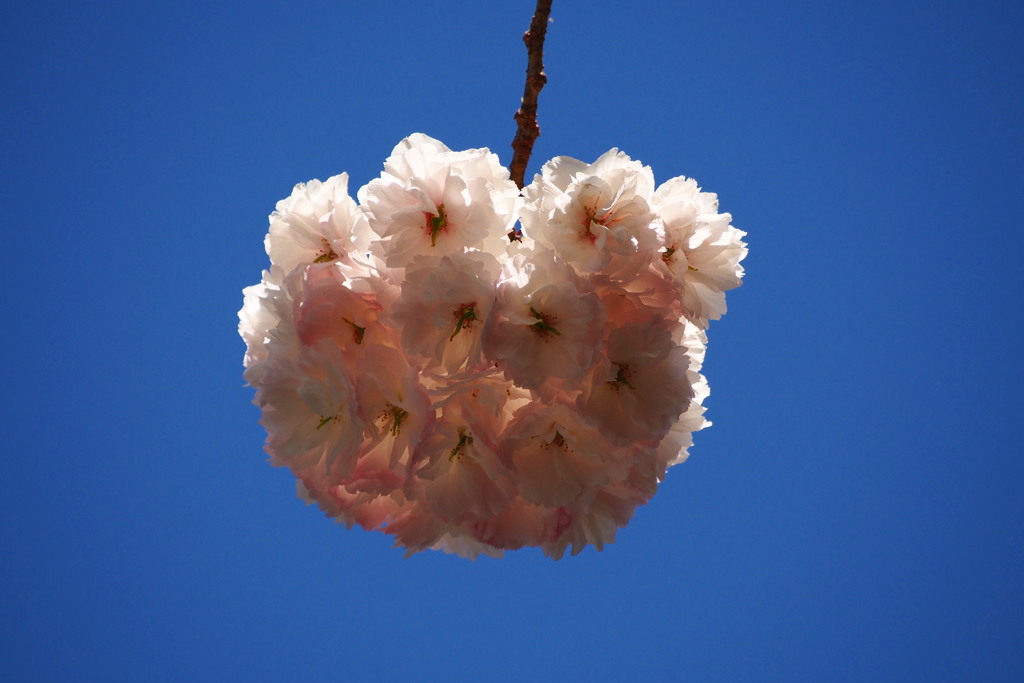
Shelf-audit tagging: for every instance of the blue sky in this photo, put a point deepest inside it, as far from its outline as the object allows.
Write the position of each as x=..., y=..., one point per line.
x=855, y=512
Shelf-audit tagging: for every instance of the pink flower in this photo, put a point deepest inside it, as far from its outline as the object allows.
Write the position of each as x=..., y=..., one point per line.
x=458, y=473
x=545, y=323
x=370, y=510
x=702, y=251
x=592, y=214
x=318, y=223
x=416, y=529
x=522, y=524
x=443, y=307
x=457, y=541
x=673, y=448
x=611, y=508
x=640, y=388
x=432, y=201
x=265, y=323
x=559, y=459
x=423, y=376
x=310, y=412
x=395, y=409
x=461, y=475
x=326, y=306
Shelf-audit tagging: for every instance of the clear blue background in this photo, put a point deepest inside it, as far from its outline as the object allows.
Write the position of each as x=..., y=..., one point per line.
x=855, y=513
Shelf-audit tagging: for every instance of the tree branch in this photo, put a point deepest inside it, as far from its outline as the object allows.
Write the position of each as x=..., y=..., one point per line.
x=526, y=118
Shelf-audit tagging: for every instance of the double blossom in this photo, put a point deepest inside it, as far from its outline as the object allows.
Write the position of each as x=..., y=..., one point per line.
x=425, y=369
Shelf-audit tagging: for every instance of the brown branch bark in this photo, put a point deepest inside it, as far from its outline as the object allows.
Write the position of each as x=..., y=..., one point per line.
x=526, y=118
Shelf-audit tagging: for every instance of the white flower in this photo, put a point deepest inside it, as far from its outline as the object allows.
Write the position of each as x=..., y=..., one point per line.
x=394, y=406
x=596, y=524
x=457, y=542
x=370, y=510
x=318, y=223
x=702, y=251
x=327, y=307
x=310, y=412
x=396, y=415
x=431, y=200
x=674, y=447
x=416, y=529
x=545, y=324
x=471, y=395
x=521, y=524
x=457, y=471
x=444, y=305
x=640, y=388
x=557, y=456
x=592, y=214
x=265, y=323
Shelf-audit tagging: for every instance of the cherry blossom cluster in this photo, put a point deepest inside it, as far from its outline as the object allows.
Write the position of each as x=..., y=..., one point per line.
x=475, y=369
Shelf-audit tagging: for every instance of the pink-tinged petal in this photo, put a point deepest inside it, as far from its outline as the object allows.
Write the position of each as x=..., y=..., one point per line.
x=558, y=458
x=265, y=324
x=432, y=201
x=458, y=473
x=416, y=529
x=522, y=524
x=443, y=307
x=596, y=217
x=700, y=251
x=545, y=324
x=596, y=525
x=318, y=223
x=310, y=413
x=641, y=386
x=423, y=376
x=327, y=307
x=394, y=407
x=457, y=541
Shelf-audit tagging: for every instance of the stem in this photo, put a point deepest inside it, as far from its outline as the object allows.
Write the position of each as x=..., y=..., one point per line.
x=526, y=118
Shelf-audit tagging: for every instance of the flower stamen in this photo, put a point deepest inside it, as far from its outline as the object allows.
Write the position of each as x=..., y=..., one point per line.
x=357, y=331
x=543, y=326
x=589, y=218
x=328, y=252
x=397, y=414
x=560, y=444
x=621, y=377
x=436, y=224
x=464, y=440
x=326, y=420
x=466, y=315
